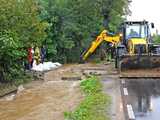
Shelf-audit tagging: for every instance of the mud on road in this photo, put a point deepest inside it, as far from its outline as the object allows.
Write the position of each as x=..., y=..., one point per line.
x=43, y=100
x=49, y=99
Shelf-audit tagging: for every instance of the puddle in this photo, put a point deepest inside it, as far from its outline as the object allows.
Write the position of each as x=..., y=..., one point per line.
x=144, y=96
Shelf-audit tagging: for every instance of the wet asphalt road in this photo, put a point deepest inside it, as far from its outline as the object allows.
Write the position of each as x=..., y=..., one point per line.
x=144, y=96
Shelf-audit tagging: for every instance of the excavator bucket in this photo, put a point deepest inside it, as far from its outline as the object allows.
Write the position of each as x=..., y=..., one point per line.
x=143, y=66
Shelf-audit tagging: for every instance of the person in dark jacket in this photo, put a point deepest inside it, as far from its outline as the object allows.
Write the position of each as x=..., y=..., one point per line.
x=43, y=54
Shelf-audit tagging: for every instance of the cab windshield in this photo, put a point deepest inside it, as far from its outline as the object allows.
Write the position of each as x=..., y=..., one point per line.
x=136, y=31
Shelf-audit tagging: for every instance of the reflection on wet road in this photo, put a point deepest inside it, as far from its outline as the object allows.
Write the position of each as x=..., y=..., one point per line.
x=144, y=96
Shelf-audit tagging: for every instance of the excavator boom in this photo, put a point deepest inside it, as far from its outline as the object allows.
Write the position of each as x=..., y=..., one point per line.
x=104, y=36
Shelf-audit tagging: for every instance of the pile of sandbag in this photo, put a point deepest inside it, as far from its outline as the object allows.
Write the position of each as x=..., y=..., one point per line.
x=46, y=66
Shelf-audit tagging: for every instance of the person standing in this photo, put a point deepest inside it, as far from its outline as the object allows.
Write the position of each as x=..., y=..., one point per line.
x=30, y=57
x=37, y=55
x=43, y=54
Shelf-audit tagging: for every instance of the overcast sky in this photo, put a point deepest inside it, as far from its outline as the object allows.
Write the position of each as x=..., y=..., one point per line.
x=146, y=10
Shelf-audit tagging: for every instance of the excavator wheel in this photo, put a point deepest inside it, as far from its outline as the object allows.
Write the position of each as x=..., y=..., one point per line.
x=119, y=52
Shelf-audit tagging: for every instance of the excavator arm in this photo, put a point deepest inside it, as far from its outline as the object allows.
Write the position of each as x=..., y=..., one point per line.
x=104, y=36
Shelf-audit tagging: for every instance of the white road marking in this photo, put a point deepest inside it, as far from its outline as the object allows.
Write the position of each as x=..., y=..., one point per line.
x=130, y=112
x=125, y=91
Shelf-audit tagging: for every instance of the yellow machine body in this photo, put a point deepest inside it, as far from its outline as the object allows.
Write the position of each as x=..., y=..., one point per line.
x=137, y=50
x=136, y=41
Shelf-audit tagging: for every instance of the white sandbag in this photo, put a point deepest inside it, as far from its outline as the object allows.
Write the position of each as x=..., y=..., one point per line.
x=58, y=64
x=38, y=67
x=46, y=66
x=50, y=65
x=53, y=66
x=34, y=64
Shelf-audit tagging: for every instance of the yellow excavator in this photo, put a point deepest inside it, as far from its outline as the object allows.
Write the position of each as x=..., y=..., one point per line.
x=134, y=47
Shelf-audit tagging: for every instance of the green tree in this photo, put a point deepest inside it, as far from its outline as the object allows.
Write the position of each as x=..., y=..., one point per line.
x=113, y=12
x=20, y=28
x=71, y=23
x=156, y=38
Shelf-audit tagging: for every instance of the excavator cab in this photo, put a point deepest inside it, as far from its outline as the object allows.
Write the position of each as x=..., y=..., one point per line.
x=135, y=30
x=136, y=37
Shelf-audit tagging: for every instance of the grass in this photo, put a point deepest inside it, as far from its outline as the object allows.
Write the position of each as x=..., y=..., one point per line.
x=95, y=104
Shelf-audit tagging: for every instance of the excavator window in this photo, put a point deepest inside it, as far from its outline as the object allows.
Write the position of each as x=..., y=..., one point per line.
x=133, y=33
x=136, y=31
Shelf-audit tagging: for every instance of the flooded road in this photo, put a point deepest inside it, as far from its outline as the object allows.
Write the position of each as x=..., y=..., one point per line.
x=144, y=96
x=45, y=100
x=48, y=99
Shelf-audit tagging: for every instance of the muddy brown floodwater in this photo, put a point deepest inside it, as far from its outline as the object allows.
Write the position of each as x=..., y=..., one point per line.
x=49, y=99
x=45, y=100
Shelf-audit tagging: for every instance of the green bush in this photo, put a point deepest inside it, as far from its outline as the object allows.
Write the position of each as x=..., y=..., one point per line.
x=156, y=39
x=94, y=106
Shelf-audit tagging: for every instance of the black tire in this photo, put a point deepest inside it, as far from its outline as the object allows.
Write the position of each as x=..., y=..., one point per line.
x=117, y=58
x=120, y=51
